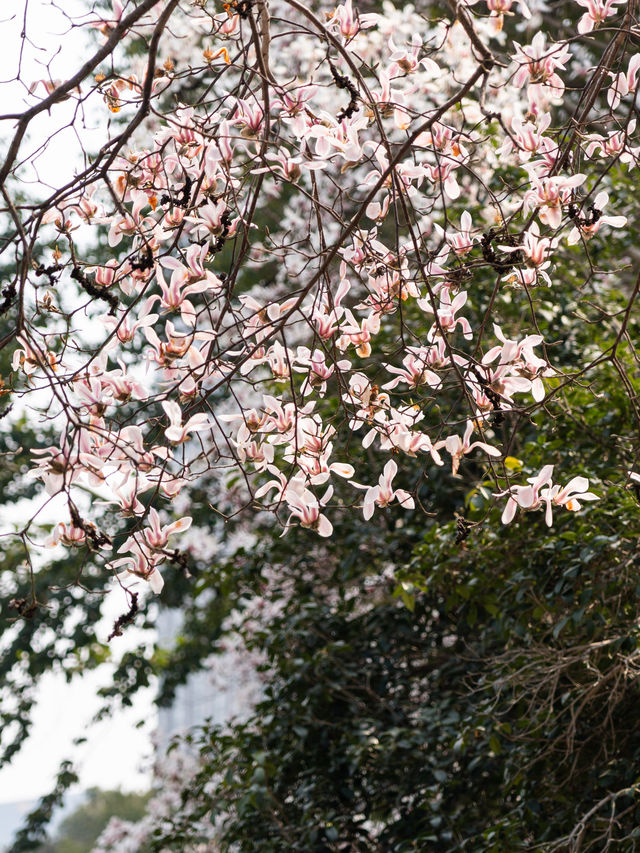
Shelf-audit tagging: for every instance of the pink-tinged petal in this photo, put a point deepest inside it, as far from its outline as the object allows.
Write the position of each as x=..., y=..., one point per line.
x=509, y=511
x=492, y=451
x=173, y=411
x=573, y=181
x=371, y=494
x=615, y=92
x=453, y=444
x=459, y=301
x=468, y=432
x=367, y=441
x=537, y=390
x=576, y=484
x=319, y=479
x=634, y=65
x=175, y=434
x=154, y=521
x=524, y=9
x=601, y=200
x=262, y=491
x=543, y=477
x=517, y=384
x=367, y=510
x=315, y=165
x=574, y=237
x=156, y=581
x=467, y=332
x=525, y=497
x=435, y=455
x=342, y=469
x=197, y=423
x=497, y=331
x=552, y=216
x=389, y=386
x=451, y=188
x=614, y=221
x=405, y=499
x=180, y=525
x=389, y=472
x=153, y=338
x=521, y=77
x=188, y=313
x=585, y=24
x=171, y=263
x=491, y=355
x=548, y=515
x=325, y=528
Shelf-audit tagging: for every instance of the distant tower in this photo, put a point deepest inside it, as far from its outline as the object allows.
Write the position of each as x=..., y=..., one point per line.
x=227, y=689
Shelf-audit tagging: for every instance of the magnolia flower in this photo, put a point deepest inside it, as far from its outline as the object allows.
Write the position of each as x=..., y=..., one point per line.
x=293, y=101
x=597, y=12
x=68, y=535
x=358, y=334
x=155, y=537
x=260, y=454
x=623, y=83
x=538, y=65
x=174, y=295
x=283, y=417
x=127, y=495
x=529, y=137
x=615, y=144
x=446, y=313
x=306, y=508
x=549, y=195
x=462, y=242
x=405, y=60
x=125, y=325
x=588, y=230
x=141, y=565
x=569, y=497
x=458, y=447
x=209, y=219
x=519, y=368
x=346, y=20
x=542, y=491
x=500, y=8
x=178, y=433
x=301, y=502
x=383, y=493
x=444, y=174
x=30, y=359
x=526, y=497
x=415, y=372
x=146, y=549
x=317, y=370
x=57, y=468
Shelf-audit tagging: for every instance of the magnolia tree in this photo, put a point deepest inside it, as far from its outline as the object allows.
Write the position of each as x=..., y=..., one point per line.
x=328, y=266
x=267, y=275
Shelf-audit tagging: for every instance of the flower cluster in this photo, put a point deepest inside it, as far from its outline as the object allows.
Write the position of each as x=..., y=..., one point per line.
x=293, y=290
